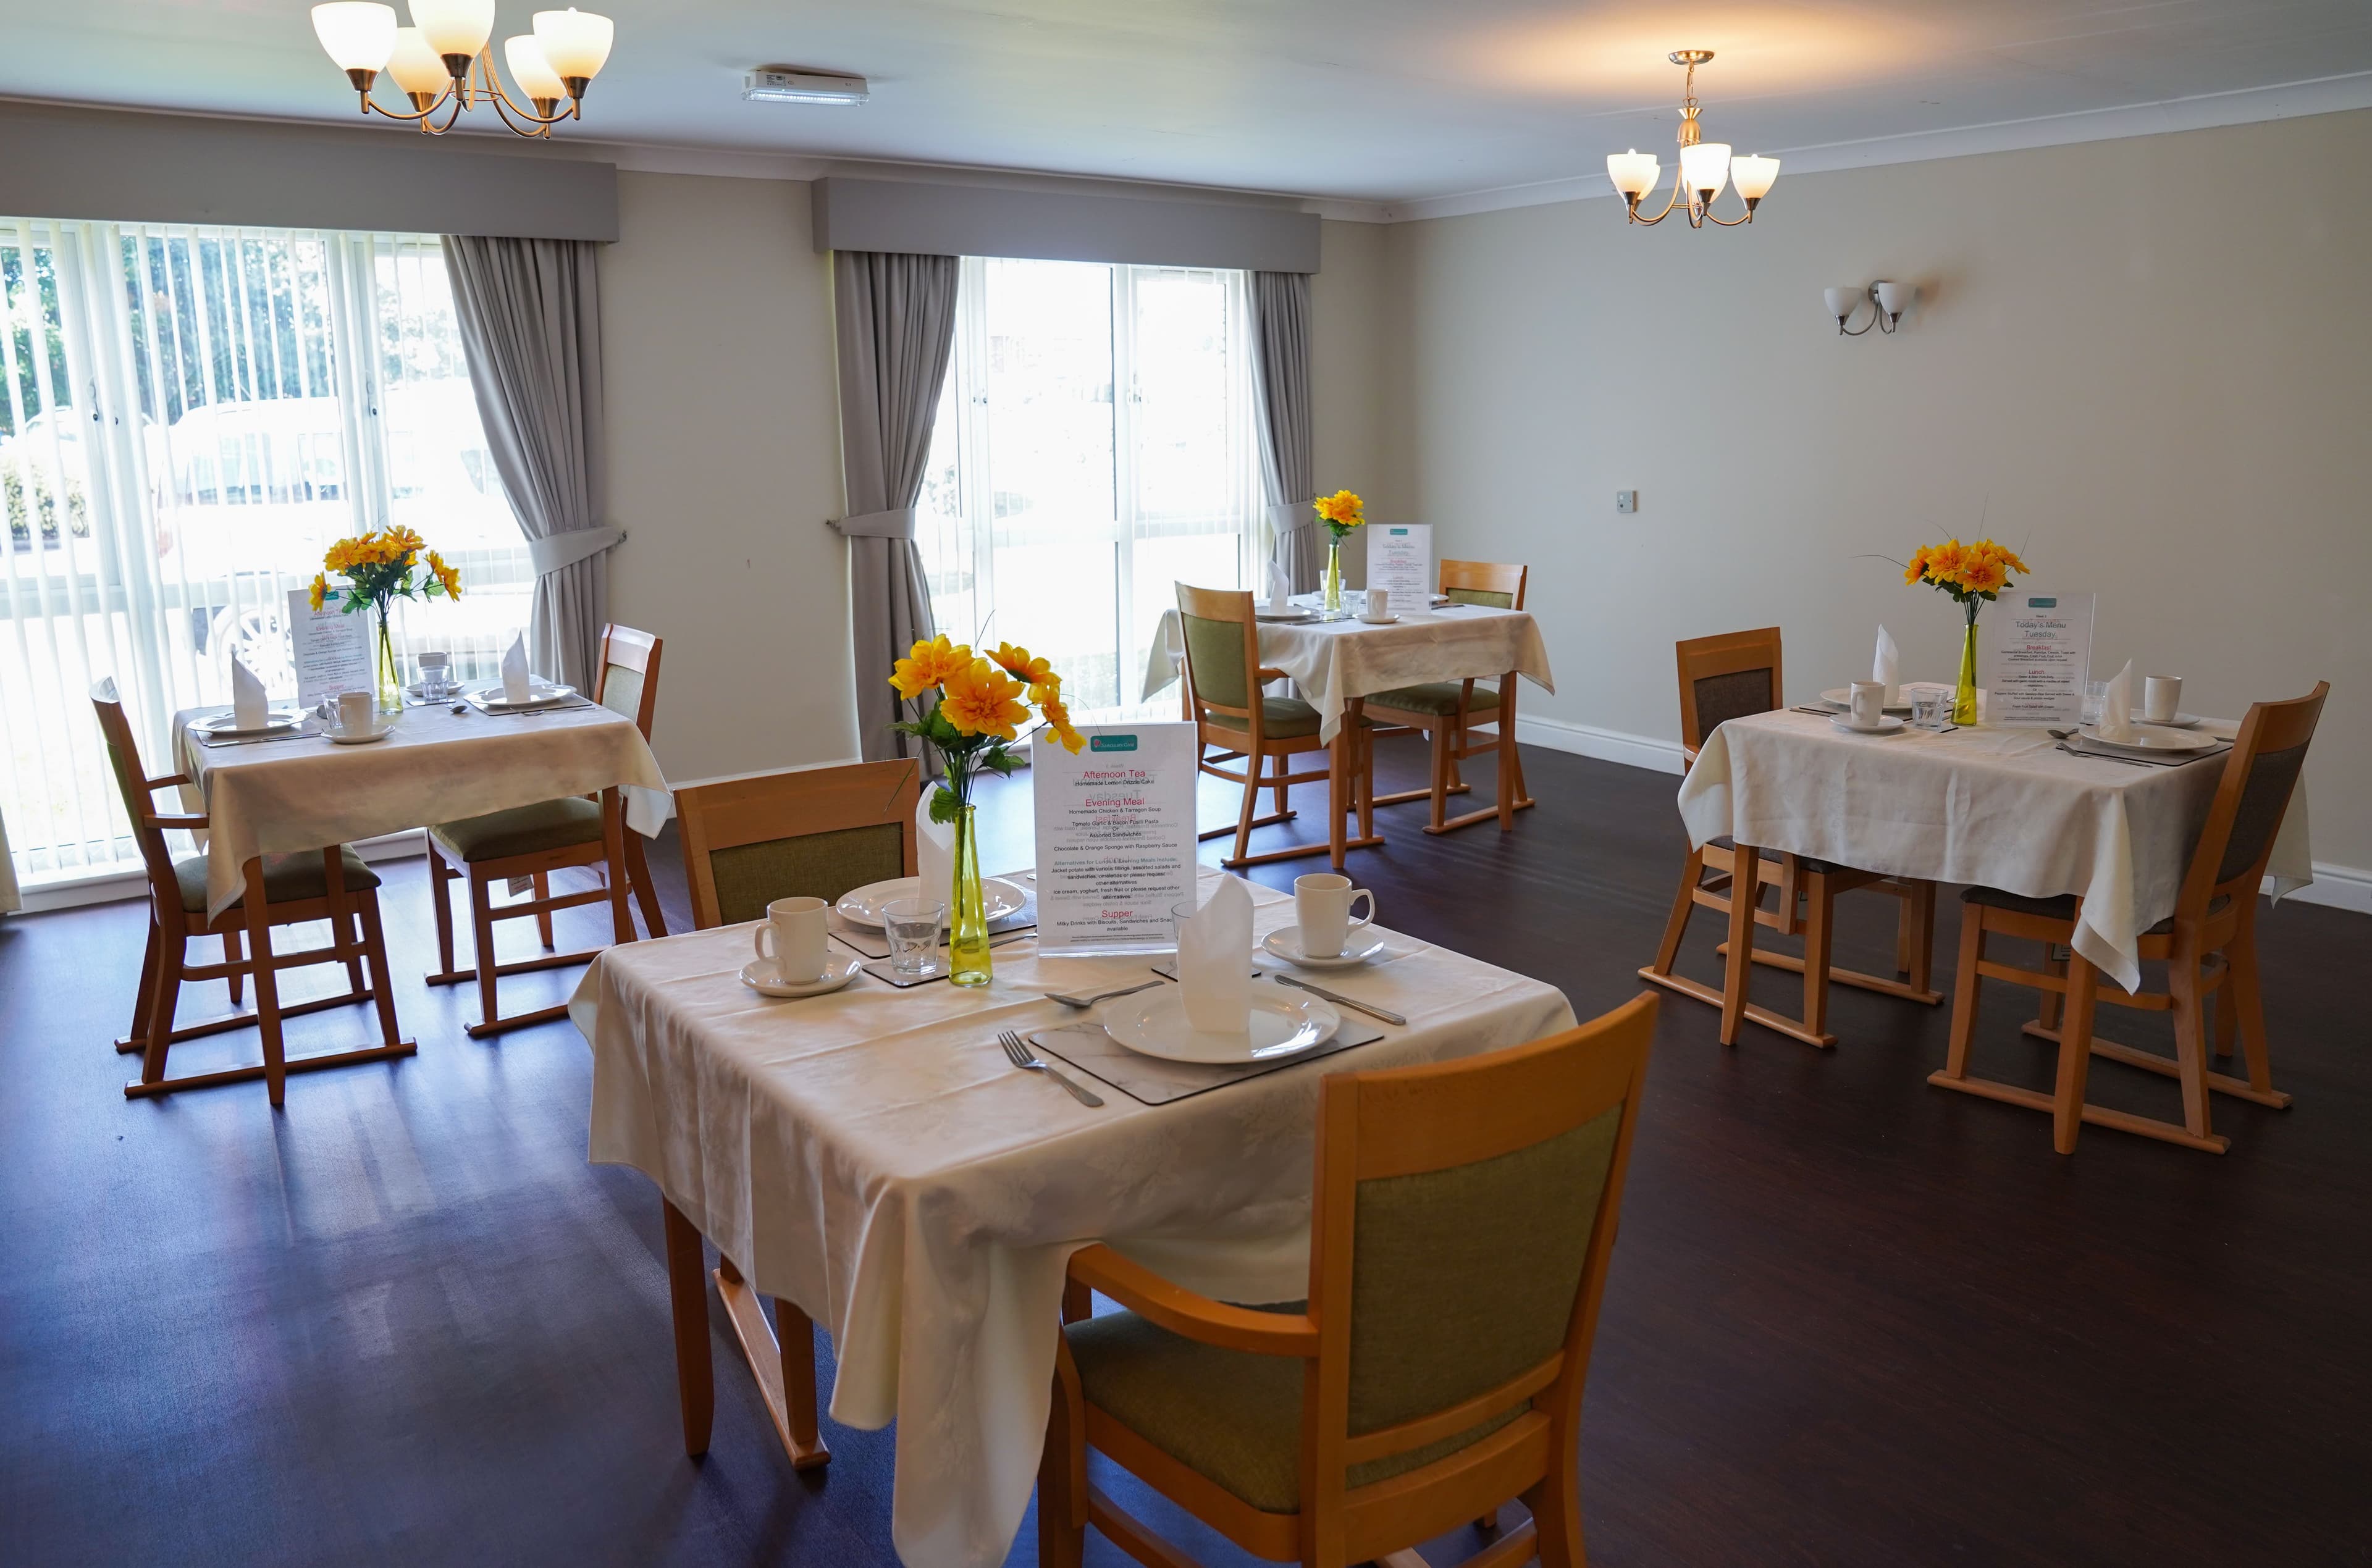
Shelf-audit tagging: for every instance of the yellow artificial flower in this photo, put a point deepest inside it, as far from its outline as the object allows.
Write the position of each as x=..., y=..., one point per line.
x=1983, y=576
x=983, y=699
x=1047, y=690
x=1018, y=664
x=1342, y=509
x=450, y=576
x=1916, y=567
x=1058, y=718
x=320, y=589
x=928, y=665
x=339, y=556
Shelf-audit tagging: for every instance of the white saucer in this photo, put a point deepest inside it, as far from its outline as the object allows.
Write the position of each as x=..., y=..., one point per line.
x=226, y=724
x=1888, y=725
x=1286, y=944
x=862, y=905
x=2149, y=739
x=378, y=731
x=2179, y=721
x=1378, y=620
x=1842, y=699
x=1153, y=1023
x=765, y=978
x=544, y=693
x=1296, y=613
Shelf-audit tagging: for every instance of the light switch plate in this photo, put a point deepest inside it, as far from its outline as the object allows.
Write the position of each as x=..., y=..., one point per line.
x=1626, y=500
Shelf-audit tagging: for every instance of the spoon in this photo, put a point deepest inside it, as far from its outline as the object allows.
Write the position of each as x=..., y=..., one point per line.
x=1099, y=996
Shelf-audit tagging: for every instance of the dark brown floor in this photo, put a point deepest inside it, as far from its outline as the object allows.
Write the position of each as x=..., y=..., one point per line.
x=1853, y=1320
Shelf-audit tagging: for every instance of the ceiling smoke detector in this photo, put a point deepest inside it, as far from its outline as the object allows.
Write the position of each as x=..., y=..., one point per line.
x=783, y=84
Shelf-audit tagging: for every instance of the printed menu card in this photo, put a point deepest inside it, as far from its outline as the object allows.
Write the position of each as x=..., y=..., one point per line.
x=1400, y=558
x=2035, y=655
x=1115, y=837
x=332, y=648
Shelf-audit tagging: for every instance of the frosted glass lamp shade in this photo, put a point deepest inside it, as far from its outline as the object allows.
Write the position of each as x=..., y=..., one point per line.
x=533, y=74
x=1842, y=301
x=416, y=66
x=1894, y=298
x=1754, y=176
x=1705, y=169
x=358, y=34
x=454, y=27
x=1634, y=173
x=574, y=43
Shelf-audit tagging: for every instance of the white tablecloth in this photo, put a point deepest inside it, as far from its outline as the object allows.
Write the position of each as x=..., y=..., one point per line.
x=1333, y=661
x=2004, y=808
x=872, y=1155
x=284, y=795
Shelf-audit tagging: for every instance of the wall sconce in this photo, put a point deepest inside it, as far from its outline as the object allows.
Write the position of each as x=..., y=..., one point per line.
x=1887, y=301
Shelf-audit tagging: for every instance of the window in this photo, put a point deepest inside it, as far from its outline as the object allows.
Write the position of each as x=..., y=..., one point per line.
x=1095, y=446
x=188, y=417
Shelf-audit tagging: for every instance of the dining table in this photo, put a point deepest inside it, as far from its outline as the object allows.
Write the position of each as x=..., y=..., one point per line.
x=872, y=1158
x=2000, y=806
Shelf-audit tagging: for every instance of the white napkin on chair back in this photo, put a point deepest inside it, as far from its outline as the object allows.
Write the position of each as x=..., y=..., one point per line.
x=1885, y=668
x=934, y=852
x=1279, y=586
x=249, y=706
x=2117, y=706
x=517, y=687
x=1214, y=961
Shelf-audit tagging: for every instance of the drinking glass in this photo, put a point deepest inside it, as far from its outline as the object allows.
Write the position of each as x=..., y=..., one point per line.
x=2096, y=696
x=911, y=927
x=1931, y=709
x=1178, y=915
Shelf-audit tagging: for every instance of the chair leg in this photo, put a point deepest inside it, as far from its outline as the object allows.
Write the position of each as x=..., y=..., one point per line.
x=481, y=928
x=1440, y=798
x=1281, y=767
x=165, y=992
x=1819, y=941
x=2190, y=1042
x=136, y=1038
x=1684, y=904
x=1251, y=804
x=646, y=892
x=1744, y=887
x=2248, y=1009
x=267, y=987
x=2049, y=1005
x=237, y=982
x=613, y=834
x=1965, y=984
x=1555, y=1504
x=1366, y=783
x=442, y=897
x=543, y=917
x=695, y=1378
x=1063, y=1472
x=2075, y=1055
x=375, y=948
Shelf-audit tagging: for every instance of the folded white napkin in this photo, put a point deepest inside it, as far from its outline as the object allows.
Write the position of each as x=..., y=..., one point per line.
x=1279, y=586
x=517, y=687
x=934, y=853
x=2117, y=707
x=1214, y=962
x=1886, y=669
x=249, y=706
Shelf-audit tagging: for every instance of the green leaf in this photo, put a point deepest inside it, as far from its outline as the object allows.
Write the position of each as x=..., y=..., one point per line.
x=944, y=804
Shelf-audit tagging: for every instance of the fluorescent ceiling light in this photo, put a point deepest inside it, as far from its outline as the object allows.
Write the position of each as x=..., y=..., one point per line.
x=776, y=85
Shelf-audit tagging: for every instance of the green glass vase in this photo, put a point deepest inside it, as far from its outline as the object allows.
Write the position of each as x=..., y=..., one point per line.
x=1964, y=701
x=391, y=680
x=968, y=955
x=1334, y=578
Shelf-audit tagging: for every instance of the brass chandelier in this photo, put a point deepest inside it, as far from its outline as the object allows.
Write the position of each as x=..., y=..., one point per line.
x=1705, y=167
x=443, y=61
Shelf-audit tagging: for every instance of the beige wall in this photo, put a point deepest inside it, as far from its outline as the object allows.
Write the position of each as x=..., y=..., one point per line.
x=2145, y=363
x=724, y=457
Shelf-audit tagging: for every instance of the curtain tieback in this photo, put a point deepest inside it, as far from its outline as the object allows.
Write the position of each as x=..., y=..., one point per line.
x=1288, y=515
x=898, y=522
x=563, y=549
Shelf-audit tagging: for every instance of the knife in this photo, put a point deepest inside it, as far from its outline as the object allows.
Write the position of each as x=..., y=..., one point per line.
x=1340, y=1000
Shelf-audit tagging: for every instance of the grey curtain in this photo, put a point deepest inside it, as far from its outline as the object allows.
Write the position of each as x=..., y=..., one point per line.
x=896, y=321
x=531, y=321
x=1281, y=384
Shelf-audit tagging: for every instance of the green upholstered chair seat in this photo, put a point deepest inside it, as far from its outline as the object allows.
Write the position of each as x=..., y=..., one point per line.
x=521, y=830
x=287, y=879
x=1280, y=718
x=1228, y=1415
x=1435, y=697
x=2063, y=907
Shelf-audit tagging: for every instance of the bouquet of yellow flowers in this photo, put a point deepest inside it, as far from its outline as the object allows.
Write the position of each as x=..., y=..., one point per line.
x=378, y=568
x=1973, y=575
x=1341, y=512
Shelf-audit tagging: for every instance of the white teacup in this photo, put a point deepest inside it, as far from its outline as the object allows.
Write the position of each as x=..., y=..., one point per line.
x=2161, y=697
x=793, y=939
x=1378, y=606
x=1322, y=902
x=1869, y=703
x=357, y=712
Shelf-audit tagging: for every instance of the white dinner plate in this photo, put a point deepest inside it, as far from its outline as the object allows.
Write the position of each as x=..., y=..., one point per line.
x=2153, y=739
x=378, y=731
x=1378, y=620
x=863, y=906
x=1153, y=1023
x=281, y=722
x=1285, y=616
x=1842, y=699
x=544, y=693
x=1286, y=944
x=764, y=977
x=1888, y=725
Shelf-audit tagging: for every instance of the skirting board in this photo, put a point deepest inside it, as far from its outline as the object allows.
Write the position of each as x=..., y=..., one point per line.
x=2339, y=886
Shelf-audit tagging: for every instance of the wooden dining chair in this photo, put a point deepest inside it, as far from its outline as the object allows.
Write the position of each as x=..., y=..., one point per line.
x=1462, y=1221
x=530, y=843
x=2208, y=945
x=334, y=885
x=1733, y=675
x=1234, y=712
x=1448, y=712
x=815, y=832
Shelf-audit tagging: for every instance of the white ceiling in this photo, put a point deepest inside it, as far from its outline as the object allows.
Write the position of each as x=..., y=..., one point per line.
x=1368, y=100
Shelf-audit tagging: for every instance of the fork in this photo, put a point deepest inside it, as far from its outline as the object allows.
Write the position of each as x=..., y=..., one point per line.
x=1019, y=1053
x=1099, y=996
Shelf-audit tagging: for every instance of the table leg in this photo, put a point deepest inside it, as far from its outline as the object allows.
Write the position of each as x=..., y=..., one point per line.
x=267, y=986
x=1338, y=768
x=613, y=843
x=785, y=1370
x=1506, y=757
x=1744, y=893
x=695, y=1379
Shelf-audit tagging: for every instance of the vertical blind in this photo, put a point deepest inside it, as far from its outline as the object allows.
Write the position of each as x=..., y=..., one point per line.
x=190, y=417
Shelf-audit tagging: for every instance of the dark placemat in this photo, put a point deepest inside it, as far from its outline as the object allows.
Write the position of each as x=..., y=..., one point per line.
x=870, y=941
x=883, y=969
x=1152, y=1081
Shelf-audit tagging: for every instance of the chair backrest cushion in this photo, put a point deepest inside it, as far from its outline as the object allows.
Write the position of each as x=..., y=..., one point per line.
x=1215, y=656
x=820, y=865
x=2272, y=776
x=621, y=691
x=1480, y=596
x=1464, y=1278
x=1720, y=698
